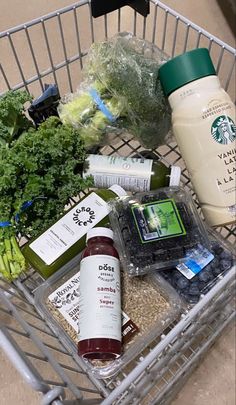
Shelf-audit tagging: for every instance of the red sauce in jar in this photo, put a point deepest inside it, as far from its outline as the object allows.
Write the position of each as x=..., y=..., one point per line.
x=100, y=308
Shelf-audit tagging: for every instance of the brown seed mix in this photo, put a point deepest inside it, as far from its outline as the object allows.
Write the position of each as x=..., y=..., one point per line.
x=142, y=301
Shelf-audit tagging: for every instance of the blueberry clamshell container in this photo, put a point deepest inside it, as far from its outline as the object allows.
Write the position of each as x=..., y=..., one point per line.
x=191, y=290
x=171, y=313
x=153, y=230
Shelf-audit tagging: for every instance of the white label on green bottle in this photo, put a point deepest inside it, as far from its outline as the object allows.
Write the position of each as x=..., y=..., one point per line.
x=100, y=304
x=70, y=228
x=133, y=174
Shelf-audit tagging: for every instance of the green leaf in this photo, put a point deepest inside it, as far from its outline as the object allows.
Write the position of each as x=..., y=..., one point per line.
x=12, y=118
x=41, y=163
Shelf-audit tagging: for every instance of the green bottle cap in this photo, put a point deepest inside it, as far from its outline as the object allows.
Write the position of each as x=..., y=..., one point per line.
x=185, y=68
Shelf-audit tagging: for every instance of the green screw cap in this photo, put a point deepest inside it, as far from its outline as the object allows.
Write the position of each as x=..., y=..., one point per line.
x=185, y=68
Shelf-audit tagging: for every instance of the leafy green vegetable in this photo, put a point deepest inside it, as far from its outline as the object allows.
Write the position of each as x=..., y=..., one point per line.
x=42, y=163
x=128, y=68
x=42, y=166
x=81, y=111
x=77, y=110
x=12, y=261
x=124, y=71
x=12, y=118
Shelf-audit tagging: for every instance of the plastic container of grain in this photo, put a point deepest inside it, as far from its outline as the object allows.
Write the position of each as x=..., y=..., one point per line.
x=149, y=306
x=153, y=230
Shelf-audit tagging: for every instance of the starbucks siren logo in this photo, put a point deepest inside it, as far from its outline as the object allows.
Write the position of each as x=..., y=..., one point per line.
x=223, y=130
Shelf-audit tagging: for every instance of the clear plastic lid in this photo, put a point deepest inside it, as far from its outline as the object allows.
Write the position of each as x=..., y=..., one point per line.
x=175, y=173
x=149, y=306
x=118, y=190
x=99, y=231
x=202, y=268
x=153, y=229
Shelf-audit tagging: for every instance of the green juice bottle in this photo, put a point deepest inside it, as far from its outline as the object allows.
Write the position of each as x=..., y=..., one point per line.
x=132, y=173
x=67, y=237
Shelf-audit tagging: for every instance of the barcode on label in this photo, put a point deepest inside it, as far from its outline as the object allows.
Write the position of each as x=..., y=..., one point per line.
x=185, y=271
x=151, y=235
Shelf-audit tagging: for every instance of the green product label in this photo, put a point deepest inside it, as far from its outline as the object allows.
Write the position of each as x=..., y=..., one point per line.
x=223, y=130
x=158, y=220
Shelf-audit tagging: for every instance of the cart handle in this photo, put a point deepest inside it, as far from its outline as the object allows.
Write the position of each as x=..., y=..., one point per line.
x=101, y=7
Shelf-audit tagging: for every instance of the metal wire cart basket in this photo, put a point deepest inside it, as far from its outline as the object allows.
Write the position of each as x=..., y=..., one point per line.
x=39, y=355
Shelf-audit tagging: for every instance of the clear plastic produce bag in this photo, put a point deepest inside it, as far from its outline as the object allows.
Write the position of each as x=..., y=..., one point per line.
x=120, y=93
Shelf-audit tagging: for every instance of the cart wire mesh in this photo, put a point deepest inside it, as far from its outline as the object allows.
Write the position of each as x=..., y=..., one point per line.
x=55, y=49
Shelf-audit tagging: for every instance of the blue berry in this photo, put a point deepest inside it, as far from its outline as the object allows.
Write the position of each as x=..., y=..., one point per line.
x=205, y=279
x=217, y=270
x=201, y=285
x=215, y=262
x=176, y=275
x=192, y=299
x=182, y=283
x=194, y=282
x=193, y=290
x=126, y=234
x=217, y=249
x=210, y=274
x=204, y=276
x=167, y=274
x=226, y=256
x=225, y=264
x=210, y=268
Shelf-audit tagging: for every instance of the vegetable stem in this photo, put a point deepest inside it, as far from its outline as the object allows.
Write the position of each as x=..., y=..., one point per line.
x=7, y=243
x=15, y=246
x=6, y=264
x=12, y=261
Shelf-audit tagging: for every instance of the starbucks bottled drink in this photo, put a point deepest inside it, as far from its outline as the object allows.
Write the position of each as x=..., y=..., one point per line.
x=203, y=118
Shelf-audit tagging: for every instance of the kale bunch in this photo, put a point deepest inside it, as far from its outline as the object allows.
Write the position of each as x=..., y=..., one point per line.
x=41, y=170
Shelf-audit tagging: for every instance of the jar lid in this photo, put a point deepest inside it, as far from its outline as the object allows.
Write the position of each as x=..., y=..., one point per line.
x=175, y=173
x=118, y=190
x=99, y=231
x=185, y=68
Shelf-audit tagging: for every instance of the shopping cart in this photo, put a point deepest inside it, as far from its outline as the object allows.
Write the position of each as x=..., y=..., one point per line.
x=54, y=52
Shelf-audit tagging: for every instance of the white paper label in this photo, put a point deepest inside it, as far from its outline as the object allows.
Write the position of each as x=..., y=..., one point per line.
x=66, y=300
x=70, y=228
x=196, y=260
x=133, y=174
x=100, y=303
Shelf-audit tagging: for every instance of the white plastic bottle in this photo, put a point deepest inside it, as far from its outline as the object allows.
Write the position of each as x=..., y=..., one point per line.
x=203, y=118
